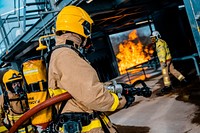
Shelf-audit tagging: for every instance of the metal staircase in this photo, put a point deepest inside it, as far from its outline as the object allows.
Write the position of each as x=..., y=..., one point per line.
x=28, y=20
x=14, y=26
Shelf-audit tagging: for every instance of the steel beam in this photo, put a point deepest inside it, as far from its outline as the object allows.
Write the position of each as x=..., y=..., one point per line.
x=193, y=11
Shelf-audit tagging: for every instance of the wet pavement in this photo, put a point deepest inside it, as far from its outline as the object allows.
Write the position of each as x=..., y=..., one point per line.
x=176, y=112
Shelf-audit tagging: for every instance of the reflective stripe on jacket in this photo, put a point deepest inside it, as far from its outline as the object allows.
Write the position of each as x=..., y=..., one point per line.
x=162, y=51
x=70, y=72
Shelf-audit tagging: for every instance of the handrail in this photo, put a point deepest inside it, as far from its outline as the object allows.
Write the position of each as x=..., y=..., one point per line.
x=38, y=108
x=190, y=57
x=6, y=39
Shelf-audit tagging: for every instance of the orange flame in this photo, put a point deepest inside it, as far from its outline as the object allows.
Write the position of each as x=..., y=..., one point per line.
x=131, y=53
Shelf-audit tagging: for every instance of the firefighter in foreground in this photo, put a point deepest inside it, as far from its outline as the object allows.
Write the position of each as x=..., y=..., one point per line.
x=70, y=71
x=166, y=64
x=13, y=103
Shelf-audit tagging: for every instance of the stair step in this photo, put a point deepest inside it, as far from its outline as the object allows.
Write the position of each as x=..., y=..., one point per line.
x=35, y=3
x=38, y=10
x=28, y=25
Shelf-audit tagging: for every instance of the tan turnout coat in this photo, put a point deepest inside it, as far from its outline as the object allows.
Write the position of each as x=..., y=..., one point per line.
x=69, y=71
x=16, y=107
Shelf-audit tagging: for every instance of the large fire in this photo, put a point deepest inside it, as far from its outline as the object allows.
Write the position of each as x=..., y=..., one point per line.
x=132, y=52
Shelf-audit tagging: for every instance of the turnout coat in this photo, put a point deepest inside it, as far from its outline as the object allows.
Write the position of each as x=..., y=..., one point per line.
x=70, y=72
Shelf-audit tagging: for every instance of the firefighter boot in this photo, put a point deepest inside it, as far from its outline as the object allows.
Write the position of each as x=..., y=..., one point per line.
x=184, y=82
x=164, y=90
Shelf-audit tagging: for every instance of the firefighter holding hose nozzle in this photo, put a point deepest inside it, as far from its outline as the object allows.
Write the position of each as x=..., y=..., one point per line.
x=166, y=64
x=69, y=71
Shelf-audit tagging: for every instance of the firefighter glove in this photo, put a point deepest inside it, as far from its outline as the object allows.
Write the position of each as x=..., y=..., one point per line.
x=128, y=94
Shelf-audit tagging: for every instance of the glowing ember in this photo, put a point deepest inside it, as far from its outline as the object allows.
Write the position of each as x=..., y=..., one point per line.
x=131, y=53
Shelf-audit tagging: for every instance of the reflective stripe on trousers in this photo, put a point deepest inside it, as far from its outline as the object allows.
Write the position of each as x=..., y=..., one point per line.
x=166, y=77
x=23, y=130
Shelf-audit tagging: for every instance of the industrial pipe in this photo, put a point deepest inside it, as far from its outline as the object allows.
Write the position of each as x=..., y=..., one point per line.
x=38, y=108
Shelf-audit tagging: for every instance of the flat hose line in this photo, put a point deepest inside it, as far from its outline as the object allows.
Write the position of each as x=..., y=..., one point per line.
x=38, y=108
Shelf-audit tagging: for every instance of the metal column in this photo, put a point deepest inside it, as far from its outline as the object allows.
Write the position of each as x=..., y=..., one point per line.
x=193, y=12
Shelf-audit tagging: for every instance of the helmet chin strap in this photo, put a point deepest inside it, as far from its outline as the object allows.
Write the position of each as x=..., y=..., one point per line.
x=83, y=42
x=82, y=45
x=81, y=48
x=87, y=47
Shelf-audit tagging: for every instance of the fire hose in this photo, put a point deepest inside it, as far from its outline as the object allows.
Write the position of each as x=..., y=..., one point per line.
x=38, y=108
x=144, y=91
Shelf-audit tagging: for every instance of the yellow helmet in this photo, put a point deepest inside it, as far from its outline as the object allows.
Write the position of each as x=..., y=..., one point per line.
x=74, y=19
x=10, y=77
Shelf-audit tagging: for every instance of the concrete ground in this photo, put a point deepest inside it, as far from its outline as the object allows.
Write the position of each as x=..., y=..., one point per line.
x=163, y=114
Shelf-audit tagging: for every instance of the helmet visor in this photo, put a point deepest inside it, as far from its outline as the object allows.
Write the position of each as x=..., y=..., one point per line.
x=87, y=28
x=15, y=86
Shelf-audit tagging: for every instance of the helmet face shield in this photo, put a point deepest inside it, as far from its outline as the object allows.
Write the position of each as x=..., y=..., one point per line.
x=15, y=87
x=13, y=81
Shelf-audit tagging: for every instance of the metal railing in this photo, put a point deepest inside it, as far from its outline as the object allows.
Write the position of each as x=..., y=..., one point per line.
x=192, y=57
x=15, y=23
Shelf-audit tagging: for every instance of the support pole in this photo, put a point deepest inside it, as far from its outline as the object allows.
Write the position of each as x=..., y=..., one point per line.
x=193, y=11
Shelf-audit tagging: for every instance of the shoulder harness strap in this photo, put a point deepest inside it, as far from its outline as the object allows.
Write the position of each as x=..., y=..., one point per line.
x=71, y=47
x=7, y=103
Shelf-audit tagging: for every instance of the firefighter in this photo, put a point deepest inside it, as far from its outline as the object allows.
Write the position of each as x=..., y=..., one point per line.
x=70, y=71
x=166, y=64
x=13, y=102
